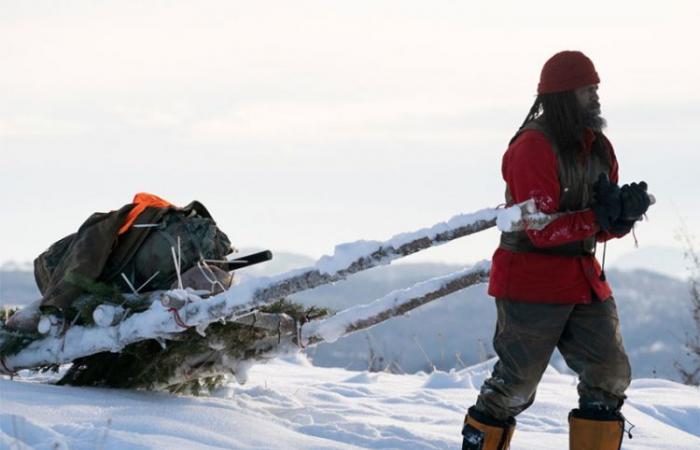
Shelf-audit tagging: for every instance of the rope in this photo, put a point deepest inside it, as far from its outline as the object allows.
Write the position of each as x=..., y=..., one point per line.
x=214, y=280
x=178, y=318
x=627, y=430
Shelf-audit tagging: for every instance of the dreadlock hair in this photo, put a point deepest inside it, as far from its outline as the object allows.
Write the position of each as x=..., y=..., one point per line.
x=563, y=118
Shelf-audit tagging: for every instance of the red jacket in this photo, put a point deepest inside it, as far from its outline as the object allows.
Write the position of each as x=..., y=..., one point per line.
x=530, y=168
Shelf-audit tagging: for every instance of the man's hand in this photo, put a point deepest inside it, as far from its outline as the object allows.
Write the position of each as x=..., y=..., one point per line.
x=621, y=226
x=607, y=204
x=634, y=200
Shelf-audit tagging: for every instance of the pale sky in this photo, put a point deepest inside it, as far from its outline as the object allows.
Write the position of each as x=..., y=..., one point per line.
x=306, y=124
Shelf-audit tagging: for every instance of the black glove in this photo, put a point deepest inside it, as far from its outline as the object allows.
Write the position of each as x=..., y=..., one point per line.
x=607, y=205
x=635, y=200
x=621, y=226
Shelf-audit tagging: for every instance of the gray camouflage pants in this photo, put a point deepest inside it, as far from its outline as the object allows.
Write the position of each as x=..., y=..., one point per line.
x=588, y=337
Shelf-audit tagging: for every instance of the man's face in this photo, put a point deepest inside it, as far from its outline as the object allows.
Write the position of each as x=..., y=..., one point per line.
x=587, y=97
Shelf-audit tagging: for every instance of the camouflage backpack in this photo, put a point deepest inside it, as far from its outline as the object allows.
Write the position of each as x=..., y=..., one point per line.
x=180, y=238
x=143, y=254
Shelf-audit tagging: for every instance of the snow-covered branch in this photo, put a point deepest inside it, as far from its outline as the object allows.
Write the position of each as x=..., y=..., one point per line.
x=162, y=322
x=394, y=304
x=290, y=334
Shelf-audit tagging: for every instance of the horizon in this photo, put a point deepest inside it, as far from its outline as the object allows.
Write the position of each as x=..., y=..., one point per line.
x=665, y=261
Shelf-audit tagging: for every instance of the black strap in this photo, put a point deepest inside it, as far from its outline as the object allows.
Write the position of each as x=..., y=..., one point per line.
x=519, y=242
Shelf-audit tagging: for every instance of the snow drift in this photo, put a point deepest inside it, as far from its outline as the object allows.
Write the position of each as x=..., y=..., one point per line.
x=289, y=404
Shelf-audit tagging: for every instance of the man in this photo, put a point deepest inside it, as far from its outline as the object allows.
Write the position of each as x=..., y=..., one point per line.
x=550, y=290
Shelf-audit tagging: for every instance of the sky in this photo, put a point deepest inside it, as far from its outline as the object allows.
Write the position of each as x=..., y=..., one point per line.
x=305, y=124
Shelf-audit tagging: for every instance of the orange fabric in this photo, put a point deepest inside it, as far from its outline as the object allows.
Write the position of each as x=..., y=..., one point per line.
x=494, y=438
x=142, y=200
x=587, y=434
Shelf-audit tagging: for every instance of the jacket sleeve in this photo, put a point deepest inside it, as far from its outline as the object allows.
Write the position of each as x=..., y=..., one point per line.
x=530, y=169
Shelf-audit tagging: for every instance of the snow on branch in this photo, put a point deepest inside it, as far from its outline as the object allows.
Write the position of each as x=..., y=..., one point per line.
x=394, y=304
x=292, y=336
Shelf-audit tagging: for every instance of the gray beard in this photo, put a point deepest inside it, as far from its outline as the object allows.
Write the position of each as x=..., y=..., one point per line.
x=593, y=120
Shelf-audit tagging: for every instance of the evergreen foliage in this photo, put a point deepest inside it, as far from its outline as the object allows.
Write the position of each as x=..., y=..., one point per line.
x=96, y=288
x=13, y=341
x=6, y=313
x=96, y=293
x=189, y=363
x=80, y=313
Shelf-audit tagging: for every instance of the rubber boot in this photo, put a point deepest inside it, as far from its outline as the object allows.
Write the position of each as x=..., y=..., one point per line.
x=482, y=432
x=595, y=429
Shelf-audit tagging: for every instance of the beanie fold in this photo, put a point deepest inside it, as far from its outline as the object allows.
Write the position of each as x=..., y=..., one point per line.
x=566, y=71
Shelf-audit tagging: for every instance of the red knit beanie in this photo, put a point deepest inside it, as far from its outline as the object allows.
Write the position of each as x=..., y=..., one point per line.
x=566, y=71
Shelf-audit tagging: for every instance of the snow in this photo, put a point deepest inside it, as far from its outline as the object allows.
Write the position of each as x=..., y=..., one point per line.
x=345, y=254
x=105, y=315
x=290, y=404
x=458, y=221
x=507, y=219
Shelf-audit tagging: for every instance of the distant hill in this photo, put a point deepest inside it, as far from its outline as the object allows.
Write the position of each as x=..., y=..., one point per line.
x=666, y=260
x=17, y=287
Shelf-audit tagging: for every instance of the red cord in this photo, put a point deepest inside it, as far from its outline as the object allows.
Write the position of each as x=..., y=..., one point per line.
x=178, y=319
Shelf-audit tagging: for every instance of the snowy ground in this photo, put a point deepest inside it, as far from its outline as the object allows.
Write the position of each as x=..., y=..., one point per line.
x=290, y=404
